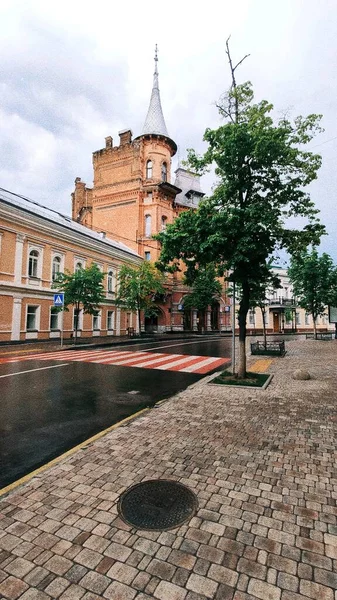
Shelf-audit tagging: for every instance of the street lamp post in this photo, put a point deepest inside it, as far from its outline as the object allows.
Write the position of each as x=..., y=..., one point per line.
x=233, y=330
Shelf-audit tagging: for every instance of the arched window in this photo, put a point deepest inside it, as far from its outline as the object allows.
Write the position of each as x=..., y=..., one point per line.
x=163, y=223
x=149, y=169
x=33, y=263
x=164, y=172
x=111, y=281
x=147, y=225
x=56, y=267
x=78, y=266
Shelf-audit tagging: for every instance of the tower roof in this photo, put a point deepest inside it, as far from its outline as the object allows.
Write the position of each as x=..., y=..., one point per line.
x=155, y=122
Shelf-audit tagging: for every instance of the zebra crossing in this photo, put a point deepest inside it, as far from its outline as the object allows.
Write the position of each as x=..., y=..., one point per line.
x=184, y=363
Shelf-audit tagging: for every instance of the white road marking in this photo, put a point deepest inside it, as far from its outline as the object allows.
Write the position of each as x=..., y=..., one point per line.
x=155, y=361
x=117, y=358
x=31, y=370
x=180, y=344
x=197, y=366
x=187, y=358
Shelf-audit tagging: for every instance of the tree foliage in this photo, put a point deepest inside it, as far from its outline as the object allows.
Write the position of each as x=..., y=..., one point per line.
x=139, y=287
x=260, y=292
x=205, y=289
x=83, y=290
x=262, y=173
x=314, y=280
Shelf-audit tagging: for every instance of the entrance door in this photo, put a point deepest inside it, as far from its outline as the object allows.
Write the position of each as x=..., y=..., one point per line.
x=215, y=316
x=276, y=322
x=151, y=324
x=187, y=320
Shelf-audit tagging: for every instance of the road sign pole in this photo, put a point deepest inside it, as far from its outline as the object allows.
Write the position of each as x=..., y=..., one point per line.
x=233, y=330
x=62, y=328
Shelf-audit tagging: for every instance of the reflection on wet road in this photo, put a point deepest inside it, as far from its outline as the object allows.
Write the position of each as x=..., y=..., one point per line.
x=47, y=407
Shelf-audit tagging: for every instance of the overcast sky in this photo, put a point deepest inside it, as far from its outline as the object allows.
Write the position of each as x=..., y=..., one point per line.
x=73, y=73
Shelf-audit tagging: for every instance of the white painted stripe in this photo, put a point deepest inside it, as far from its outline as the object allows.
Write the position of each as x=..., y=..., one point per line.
x=155, y=361
x=78, y=356
x=31, y=370
x=110, y=358
x=182, y=361
x=203, y=363
x=132, y=360
x=203, y=341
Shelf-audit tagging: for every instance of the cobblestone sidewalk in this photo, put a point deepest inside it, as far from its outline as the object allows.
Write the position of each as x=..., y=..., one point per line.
x=263, y=465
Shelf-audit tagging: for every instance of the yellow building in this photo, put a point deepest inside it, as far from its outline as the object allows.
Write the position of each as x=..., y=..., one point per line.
x=283, y=315
x=35, y=244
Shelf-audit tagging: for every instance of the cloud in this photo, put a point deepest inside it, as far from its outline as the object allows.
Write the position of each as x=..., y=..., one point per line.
x=72, y=73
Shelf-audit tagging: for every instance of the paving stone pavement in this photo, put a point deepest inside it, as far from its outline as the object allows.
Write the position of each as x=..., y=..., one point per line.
x=263, y=465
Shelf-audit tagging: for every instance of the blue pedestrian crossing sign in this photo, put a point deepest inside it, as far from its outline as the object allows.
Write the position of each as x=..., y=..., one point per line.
x=58, y=299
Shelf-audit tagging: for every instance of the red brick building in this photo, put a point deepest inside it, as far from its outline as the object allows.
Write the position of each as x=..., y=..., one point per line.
x=133, y=198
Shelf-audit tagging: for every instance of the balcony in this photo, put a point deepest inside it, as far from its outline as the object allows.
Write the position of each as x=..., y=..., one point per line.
x=279, y=302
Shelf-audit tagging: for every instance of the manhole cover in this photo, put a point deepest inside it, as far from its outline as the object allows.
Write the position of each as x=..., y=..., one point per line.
x=157, y=504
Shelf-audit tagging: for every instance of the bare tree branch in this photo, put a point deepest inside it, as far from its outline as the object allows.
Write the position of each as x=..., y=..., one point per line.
x=241, y=61
x=236, y=103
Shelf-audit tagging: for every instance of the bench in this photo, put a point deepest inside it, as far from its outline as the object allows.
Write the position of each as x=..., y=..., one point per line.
x=268, y=349
x=319, y=336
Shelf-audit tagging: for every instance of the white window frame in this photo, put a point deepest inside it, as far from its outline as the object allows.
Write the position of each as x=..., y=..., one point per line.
x=54, y=314
x=147, y=255
x=110, y=316
x=97, y=330
x=164, y=171
x=148, y=225
x=111, y=280
x=39, y=262
x=80, y=320
x=60, y=257
x=77, y=262
x=149, y=169
x=251, y=317
x=33, y=331
x=163, y=222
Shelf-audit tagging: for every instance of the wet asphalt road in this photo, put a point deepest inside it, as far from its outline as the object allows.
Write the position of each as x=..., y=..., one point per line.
x=45, y=412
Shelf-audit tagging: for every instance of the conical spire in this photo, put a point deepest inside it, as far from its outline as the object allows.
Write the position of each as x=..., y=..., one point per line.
x=155, y=122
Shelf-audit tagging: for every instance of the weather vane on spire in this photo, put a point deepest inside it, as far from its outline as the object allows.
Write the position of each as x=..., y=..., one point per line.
x=156, y=60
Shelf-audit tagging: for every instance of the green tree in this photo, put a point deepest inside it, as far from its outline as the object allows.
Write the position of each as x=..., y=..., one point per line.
x=82, y=289
x=262, y=171
x=314, y=280
x=205, y=289
x=260, y=293
x=138, y=289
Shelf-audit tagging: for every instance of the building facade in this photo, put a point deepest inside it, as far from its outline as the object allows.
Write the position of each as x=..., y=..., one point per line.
x=36, y=243
x=133, y=198
x=283, y=315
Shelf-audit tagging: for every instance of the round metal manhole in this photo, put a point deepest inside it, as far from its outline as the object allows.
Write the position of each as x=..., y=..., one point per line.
x=157, y=504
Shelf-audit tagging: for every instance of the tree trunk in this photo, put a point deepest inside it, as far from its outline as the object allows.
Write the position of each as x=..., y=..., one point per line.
x=243, y=310
x=263, y=311
x=315, y=329
x=77, y=310
x=139, y=321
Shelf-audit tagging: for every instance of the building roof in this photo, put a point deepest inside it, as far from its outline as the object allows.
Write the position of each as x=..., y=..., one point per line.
x=155, y=122
x=189, y=183
x=30, y=206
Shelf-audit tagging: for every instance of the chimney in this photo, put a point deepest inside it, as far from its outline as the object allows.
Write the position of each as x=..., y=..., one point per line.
x=125, y=137
x=108, y=141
